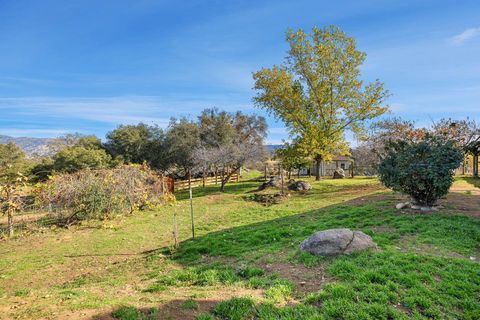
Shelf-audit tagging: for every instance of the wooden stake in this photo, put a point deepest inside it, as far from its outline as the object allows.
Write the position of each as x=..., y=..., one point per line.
x=191, y=204
x=281, y=177
x=175, y=229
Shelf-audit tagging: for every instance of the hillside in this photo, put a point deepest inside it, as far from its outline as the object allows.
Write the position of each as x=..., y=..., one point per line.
x=31, y=146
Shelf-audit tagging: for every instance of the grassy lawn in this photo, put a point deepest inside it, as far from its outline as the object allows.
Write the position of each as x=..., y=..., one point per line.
x=245, y=262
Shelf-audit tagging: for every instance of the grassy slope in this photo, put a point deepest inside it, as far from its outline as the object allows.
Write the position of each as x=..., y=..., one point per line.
x=423, y=269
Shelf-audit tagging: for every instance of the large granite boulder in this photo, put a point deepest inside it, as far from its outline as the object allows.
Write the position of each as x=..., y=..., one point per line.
x=299, y=186
x=334, y=242
x=339, y=173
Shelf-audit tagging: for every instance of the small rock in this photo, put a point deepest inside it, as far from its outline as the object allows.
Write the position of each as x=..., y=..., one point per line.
x=338, y=174
x=473, y=258
x=415, y=207
x=401, y=205
x=300, y=186
x=275, y=182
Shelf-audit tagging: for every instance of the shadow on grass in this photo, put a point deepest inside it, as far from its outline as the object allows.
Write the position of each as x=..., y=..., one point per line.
x=455, y=232
x=179, y=309
x=373, y=271
x=473, y=181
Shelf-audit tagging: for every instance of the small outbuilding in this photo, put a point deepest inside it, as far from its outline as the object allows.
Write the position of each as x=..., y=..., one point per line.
x=327, y=168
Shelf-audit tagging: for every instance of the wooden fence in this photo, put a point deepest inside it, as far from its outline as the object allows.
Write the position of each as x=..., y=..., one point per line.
x=202, y=182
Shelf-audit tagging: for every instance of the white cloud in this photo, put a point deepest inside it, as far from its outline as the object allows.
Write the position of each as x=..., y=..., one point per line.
x=466, y=35
x=33, y=132
x=278, y=130
x=112, y=110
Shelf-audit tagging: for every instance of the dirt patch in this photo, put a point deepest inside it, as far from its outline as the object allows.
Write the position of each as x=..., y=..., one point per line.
x=453, y=203
x=361, y=201
x=214, y=197
x=382, y=229
x=464, y=204
x=305, y=280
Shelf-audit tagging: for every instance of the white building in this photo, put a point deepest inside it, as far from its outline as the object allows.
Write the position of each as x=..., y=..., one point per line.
x=328, y=167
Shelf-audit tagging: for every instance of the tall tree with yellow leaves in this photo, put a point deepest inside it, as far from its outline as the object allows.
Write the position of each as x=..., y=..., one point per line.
x=318, y=92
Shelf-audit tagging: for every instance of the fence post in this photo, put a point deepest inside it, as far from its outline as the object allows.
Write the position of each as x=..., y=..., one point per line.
x=191, y=203
x=163, y=184
x=175, y=229
x=281, y=177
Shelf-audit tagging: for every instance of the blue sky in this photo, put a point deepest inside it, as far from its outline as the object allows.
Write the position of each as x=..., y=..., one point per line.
x=87, y=66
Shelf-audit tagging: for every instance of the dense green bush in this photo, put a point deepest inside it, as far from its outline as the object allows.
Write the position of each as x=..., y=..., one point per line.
x=424, y=170
x=76, y=158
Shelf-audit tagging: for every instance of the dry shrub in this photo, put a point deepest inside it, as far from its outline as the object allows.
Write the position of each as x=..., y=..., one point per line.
x=96, y=194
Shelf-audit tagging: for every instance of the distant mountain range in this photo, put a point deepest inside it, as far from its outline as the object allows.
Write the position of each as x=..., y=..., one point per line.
x=273, y=147
x=31, y=146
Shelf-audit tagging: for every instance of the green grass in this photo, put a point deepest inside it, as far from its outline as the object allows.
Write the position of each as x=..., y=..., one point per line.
x=189, y=304
x=235, y=309
x=422, y=270
x=131, y=313
x=472, y=181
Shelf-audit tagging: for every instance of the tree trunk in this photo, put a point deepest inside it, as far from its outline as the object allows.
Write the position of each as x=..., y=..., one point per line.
x=226, y=178
x=163, y=183
x=318, y=161
x=475, y=164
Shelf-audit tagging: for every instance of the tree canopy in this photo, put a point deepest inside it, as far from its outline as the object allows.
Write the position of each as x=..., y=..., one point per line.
x=87, y=152
x=292, y=157
x=318, y=92
x=182, y=138
x=132, y=142
x=228, y=142
x=12, y=161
